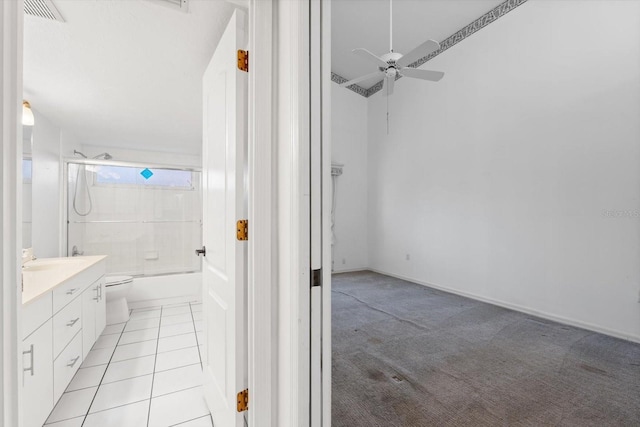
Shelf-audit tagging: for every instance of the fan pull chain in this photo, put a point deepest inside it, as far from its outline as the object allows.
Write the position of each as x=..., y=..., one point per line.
x=387, y=109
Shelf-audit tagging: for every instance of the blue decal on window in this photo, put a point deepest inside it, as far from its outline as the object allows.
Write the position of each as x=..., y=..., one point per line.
x=146, y=173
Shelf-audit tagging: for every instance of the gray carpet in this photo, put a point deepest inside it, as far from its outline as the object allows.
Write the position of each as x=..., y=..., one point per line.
x=408, y=355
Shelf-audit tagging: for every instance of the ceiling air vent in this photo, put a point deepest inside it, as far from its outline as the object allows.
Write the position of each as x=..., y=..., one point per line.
x=181, y=5
x=43, y=9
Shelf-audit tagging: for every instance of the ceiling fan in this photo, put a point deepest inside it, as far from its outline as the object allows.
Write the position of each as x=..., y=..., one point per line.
x=393, y=64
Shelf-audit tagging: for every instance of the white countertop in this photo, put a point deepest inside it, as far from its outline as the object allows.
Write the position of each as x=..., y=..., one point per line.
x=42, y=275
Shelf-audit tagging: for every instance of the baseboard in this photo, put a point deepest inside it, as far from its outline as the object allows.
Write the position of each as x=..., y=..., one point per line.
x=164, y=301
x=350, y=270
x=516, y=307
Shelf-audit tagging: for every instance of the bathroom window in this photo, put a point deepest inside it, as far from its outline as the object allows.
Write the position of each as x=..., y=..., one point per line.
x=148, y=177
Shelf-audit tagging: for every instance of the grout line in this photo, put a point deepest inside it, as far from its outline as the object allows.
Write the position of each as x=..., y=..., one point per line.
x=102, y=378
x=178, y=323
x=178, y=314
x=188, y=421
x=184, y=333
x=153, y=377
x=115, y=407
x=136, y=342
x=178, y=391
x=144, y=329
x=128, y=378
x=181, y=348
x=178, y=367
x=131, y=358
x=62, y=421
x=196, y=332
x=92, y=366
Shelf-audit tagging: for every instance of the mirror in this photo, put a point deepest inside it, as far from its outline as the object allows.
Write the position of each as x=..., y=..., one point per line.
x=27, y=192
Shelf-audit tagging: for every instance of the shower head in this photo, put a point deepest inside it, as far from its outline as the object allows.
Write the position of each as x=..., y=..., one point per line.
x=78, y=152
x=105, y=156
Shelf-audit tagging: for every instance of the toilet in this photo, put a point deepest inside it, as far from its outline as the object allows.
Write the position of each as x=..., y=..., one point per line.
x=117, y=288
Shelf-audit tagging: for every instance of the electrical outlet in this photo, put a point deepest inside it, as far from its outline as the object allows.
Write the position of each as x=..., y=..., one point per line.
x=344, y=261
x=408, y=257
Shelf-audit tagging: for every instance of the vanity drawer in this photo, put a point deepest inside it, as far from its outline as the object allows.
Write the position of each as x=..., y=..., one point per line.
x=66, y=292
x=66, y=365
x=66, y=324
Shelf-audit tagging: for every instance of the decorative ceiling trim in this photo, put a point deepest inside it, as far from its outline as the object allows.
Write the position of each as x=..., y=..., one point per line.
x=486, y=19
x=354, y=87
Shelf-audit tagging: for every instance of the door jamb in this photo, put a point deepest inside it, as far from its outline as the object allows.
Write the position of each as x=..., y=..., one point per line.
x=326, y=209
x=292, y=222
x=11, y=36
x=261, y=292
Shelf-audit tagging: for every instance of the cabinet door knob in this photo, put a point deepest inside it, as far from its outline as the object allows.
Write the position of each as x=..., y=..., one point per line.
x=202, y=251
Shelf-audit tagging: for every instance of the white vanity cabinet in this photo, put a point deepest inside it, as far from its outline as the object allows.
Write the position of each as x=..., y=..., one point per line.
x=63, y=313
x=37, y=375
x=93, y=314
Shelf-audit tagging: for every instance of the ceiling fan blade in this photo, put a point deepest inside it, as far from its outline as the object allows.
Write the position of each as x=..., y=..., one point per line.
x=387, y=85
x=419, y=52
x=361, y=78
x=416, y=73
x=364, y=53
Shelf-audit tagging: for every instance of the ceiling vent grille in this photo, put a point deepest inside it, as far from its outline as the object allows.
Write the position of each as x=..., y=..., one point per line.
x=181, y=5
x=42, y=9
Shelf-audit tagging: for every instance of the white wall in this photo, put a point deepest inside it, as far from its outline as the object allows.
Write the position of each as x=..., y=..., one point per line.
x=349, y=147
x=498, y=180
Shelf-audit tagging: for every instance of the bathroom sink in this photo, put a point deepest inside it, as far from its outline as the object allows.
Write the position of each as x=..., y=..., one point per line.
x=38, y=267
x=48, y=264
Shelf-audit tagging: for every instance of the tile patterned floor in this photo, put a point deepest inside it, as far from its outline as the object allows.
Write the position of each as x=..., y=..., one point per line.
x=142, y=373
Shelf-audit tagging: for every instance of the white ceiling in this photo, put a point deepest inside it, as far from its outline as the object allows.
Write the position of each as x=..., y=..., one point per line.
x=123, y=73
x=128, y=73
x=365, y=23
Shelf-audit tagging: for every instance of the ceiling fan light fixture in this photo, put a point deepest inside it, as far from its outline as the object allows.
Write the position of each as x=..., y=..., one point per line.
x=393, y=65
x=27, y=115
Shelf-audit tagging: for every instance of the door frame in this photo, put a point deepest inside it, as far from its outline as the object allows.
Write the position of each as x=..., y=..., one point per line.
x=292, y=201
x=325, y=52
x=11, y=36
x=261, y=274
x=292, y=223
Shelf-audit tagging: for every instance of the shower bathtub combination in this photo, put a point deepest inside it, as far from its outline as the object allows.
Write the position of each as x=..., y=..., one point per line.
x=147, y=218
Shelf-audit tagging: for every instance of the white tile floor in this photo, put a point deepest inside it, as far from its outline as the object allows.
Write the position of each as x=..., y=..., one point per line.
x=143, y=373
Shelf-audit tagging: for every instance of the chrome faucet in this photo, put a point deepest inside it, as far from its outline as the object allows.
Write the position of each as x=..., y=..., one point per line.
x=75, y=251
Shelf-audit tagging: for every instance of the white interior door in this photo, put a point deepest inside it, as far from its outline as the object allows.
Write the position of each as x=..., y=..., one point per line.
x=224, y=202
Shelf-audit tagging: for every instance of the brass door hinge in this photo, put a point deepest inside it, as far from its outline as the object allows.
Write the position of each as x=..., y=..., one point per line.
x=242, y=229
x=243, y=60
x=243, y=400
